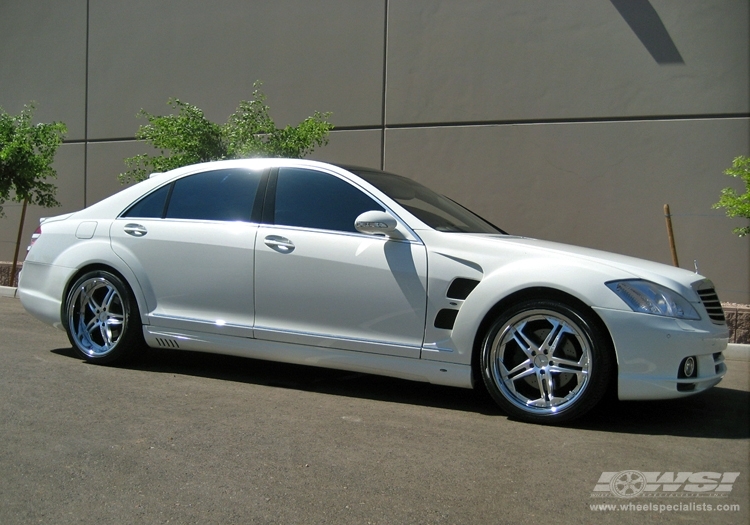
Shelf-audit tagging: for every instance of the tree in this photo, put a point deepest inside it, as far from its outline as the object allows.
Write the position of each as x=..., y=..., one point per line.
x=26, y=155
x=737, y=205
x=188, y=137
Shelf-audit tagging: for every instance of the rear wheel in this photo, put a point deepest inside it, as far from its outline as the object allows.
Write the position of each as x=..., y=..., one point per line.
x=545, y=361
x=102, y=320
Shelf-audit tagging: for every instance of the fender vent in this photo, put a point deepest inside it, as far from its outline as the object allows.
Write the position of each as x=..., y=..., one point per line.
x=446, y=318
x=460, y=288
x=167, y=343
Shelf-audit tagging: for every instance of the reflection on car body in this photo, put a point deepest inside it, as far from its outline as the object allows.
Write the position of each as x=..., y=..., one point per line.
x=352, y=268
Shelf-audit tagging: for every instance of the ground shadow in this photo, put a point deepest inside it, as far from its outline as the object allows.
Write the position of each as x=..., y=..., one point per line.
x=719, y=413
x=722, y=413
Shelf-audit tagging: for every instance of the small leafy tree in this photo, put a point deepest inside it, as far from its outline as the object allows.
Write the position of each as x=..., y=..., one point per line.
x=737, y=205
x=26, y=154
x=188, y=137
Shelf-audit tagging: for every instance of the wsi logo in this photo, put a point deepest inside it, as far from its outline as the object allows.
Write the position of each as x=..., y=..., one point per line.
x=633, y=483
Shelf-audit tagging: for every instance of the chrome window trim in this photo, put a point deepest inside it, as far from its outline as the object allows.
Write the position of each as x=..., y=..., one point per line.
x=192, y=221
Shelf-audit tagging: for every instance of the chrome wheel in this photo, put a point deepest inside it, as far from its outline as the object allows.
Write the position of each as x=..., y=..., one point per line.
x=96, y=316
x=543, y=361
x=101, y=318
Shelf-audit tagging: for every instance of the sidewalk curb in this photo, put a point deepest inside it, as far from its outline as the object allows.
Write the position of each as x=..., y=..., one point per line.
x=736, y=352
x=7, y=291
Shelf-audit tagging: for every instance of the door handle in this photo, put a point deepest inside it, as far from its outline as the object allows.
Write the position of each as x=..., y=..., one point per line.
x=136, y=230
x=280, y=244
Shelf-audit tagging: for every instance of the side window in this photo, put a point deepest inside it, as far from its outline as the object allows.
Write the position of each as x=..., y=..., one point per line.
x=312, y=199
x=220, y=195
x=151, y=206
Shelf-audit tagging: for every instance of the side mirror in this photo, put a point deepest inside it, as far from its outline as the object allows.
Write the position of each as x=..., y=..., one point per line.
x=377, y=222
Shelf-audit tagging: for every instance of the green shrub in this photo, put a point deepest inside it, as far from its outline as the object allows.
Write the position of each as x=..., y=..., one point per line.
x=188, y=137
x=737, y=205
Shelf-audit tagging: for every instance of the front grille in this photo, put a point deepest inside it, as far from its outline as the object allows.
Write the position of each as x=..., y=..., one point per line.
x=712, y=304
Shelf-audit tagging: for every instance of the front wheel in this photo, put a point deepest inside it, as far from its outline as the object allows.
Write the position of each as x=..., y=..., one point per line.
x=545, y=361
x=102, y=320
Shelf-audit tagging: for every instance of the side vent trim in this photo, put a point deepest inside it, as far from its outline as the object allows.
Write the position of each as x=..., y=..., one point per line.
x=446, y=318
x=461, y=287
x=167, y=343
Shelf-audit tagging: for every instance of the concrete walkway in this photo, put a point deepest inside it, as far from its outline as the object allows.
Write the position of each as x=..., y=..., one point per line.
x=7, y=291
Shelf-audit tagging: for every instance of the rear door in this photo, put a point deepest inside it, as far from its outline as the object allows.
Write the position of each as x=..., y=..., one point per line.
x=191, y=243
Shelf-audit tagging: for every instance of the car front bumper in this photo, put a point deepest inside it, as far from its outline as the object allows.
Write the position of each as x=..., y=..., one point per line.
x=651, y=349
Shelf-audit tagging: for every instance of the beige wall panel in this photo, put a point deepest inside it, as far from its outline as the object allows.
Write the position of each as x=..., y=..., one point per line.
x=69, y=166
x=483, y=60
x=601, y=185
x=43, y=59
x=106, y=160
x=311, y=56
x=357, y=148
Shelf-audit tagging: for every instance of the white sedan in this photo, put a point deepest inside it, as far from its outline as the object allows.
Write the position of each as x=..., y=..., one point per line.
x=358, y=269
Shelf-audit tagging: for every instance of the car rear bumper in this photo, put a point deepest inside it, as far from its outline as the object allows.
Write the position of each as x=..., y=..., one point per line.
x=41, y=288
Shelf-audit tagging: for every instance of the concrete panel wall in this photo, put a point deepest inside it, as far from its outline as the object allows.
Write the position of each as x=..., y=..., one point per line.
x=324, y=55
x=616, y=122
x=105, y=163
x=601, y=185
x=483, y=60
x=43, y=59
x=356, y=148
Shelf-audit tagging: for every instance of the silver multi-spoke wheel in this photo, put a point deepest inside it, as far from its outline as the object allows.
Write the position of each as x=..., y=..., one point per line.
x=96, y=316
x=539, y=361
x=542, y=360
x=101, y=318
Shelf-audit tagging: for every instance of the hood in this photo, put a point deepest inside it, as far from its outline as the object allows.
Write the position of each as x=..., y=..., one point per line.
x=672, y=277
x=621, y=266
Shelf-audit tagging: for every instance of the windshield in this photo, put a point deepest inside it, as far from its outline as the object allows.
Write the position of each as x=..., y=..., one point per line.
x=433, y=209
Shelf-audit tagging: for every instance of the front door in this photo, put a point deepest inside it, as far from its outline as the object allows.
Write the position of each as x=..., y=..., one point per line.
x=320, y=282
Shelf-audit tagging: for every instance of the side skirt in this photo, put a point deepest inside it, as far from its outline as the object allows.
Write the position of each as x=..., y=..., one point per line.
x=447, y=374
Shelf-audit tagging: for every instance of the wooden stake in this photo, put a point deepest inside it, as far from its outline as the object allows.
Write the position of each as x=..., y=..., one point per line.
x=12, y=279
x=670, y=234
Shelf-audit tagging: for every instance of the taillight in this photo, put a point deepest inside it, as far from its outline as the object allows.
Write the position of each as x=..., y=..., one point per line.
x=34, y=237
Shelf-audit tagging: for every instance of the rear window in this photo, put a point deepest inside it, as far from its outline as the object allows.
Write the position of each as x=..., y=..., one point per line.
x=219, y=195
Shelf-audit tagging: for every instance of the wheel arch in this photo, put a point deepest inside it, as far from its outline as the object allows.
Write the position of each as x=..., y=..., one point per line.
x=536, y=293
x=101, y=266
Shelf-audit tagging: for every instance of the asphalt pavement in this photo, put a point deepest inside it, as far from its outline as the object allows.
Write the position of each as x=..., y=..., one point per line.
x=182, y=437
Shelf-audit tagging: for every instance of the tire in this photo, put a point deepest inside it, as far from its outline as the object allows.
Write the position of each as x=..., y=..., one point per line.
x=546, y=361
x=102, y=320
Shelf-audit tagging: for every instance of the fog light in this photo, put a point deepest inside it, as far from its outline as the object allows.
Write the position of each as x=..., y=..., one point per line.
x=688, y=367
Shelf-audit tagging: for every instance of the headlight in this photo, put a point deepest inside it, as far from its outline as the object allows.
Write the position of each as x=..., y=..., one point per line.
x=650, y=298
